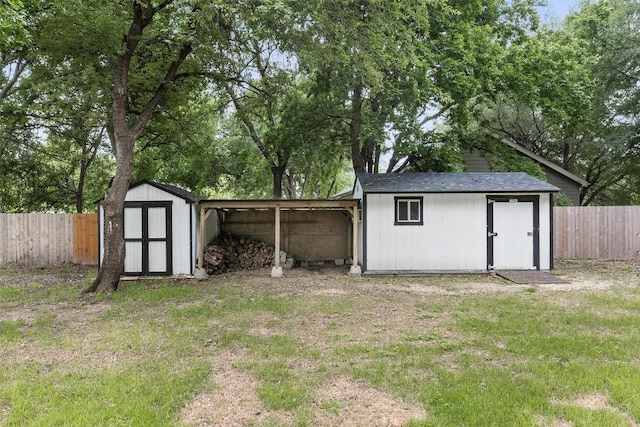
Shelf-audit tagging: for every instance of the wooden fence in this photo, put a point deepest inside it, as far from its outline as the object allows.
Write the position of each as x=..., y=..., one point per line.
x=608, y=232
x=49, y=239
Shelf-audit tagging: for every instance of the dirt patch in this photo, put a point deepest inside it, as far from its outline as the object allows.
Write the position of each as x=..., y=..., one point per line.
x=235, y=403
x=551, y=422
x=342, y=401
x=596, y=402
x=593, y=402
x=349, y=403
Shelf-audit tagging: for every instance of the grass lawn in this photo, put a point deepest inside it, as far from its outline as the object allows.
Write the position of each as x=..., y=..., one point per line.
x=320, y=348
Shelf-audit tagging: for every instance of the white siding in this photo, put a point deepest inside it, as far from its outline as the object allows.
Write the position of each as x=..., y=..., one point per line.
x=358, y=194
x=357, y=190
x=360, y=243
x=545, y=231
x=452, y=238
x=100, y=234
x=211, y=230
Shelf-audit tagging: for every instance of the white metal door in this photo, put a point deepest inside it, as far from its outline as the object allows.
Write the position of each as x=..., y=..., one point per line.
x=157, y=237
x=513, y=239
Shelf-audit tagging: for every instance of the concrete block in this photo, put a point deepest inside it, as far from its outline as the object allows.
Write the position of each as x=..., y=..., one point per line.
x=276, y=272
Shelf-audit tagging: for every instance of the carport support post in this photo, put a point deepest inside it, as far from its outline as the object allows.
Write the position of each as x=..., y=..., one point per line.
x=200, y=272
x=276, y=271
x=355, y=269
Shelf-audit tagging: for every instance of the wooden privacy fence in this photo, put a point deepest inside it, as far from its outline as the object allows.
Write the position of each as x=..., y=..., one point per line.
x=49, y=239
x=607, y=232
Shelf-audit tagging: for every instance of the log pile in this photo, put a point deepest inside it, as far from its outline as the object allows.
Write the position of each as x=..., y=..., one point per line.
x=232, y=253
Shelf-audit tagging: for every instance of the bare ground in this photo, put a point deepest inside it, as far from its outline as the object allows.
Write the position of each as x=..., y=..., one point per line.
x=390, y=304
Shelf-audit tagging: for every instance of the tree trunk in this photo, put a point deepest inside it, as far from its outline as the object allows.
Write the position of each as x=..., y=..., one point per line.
x=278, y=173
x=357, y=159
x=113, y=211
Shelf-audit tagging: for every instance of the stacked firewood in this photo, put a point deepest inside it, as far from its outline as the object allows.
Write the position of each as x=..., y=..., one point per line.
x=231, y=253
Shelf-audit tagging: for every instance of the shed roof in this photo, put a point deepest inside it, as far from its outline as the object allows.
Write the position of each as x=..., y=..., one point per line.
x=450, y=182
x=172, y=189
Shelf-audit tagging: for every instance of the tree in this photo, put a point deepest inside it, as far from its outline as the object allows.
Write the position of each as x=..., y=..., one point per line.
x=566, y=99
x=156, y=53
x=291, y=129
x=52, y=126
x=260, y=89
x=181, y=146
x=394, y=69
x=611, y=32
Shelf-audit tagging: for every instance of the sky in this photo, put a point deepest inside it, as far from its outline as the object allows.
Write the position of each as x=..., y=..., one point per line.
x=557, y=9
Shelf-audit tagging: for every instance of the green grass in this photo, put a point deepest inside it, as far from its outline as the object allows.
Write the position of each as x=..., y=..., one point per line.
x=10, y=331
x=129, y=395
x=138, y=357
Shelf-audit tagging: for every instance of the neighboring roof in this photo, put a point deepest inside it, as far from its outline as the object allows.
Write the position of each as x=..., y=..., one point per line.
x=528, y=153
x=446, y=182
x=171, y=189
x=347, y=193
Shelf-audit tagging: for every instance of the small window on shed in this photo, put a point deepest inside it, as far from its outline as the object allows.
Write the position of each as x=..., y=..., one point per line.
x=408, y=211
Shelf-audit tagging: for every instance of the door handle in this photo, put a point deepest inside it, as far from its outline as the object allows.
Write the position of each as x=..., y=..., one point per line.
x=491, y=234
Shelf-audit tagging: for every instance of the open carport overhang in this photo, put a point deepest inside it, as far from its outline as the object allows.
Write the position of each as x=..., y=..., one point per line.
x=278, y=205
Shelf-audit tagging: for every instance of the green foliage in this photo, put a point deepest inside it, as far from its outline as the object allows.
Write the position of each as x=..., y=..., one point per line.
x=13, y=31
x=572, y=98
x=296, y=95
x=394, y=69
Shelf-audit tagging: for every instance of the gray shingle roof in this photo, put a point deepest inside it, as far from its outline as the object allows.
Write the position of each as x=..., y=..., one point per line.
x=446, y=182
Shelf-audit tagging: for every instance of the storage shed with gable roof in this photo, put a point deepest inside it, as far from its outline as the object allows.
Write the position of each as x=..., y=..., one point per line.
x=161, y=230
x=454, y=222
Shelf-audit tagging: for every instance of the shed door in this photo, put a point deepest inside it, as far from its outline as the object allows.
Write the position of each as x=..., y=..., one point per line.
x=147, y=236
x=512, y=235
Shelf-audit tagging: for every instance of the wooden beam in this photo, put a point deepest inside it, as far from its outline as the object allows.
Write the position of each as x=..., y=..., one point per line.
x=355, y=269
x=282, y=204
x=277, y=240
x=354, y=215
x=203, y=219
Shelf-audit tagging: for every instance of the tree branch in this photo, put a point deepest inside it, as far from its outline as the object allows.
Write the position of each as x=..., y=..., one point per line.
x=15, y=75
x=161, y=91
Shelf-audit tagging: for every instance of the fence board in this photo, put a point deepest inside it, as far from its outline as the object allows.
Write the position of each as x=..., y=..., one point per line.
x=48, y=239
x=85, y=239
x=602, y=232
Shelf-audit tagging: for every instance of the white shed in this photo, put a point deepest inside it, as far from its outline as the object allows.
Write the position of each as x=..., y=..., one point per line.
x=454, y=222
x=161, y=230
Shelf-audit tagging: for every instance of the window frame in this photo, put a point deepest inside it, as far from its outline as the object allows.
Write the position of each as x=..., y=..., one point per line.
x=408, y=200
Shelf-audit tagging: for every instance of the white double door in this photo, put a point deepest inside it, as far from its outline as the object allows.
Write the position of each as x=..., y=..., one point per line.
x=147, y=236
